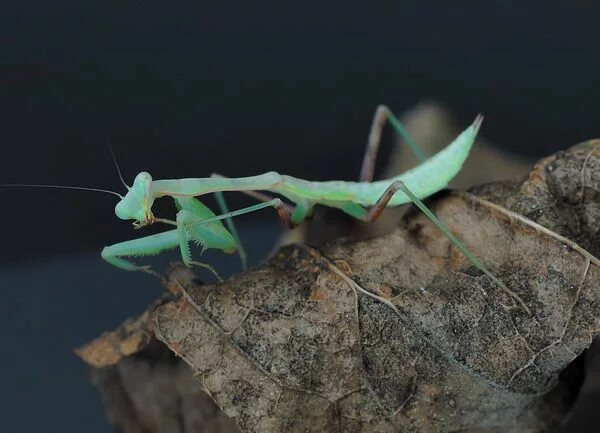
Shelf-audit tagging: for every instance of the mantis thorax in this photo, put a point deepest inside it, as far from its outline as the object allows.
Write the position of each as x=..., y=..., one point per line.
x=137, y=203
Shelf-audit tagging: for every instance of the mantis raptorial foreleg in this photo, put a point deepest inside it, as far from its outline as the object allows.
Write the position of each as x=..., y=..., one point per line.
x=190, y=212
x=382, y=114
x=146, y=246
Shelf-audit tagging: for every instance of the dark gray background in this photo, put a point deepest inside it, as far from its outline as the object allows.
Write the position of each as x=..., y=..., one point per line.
x=239, y=88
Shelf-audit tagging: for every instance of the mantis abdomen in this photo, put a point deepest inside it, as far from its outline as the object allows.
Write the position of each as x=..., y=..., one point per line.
x=427, y=178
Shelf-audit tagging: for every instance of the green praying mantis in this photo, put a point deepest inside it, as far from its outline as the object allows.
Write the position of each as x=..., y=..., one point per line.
x=364, y=200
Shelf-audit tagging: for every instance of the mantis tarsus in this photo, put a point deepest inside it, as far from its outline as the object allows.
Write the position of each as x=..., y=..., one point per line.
x=364, y=200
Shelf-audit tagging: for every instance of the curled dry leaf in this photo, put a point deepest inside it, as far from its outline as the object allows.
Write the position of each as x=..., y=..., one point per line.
x=561, y=193
x=112, y=347
x=401, y=332
x=143, y=386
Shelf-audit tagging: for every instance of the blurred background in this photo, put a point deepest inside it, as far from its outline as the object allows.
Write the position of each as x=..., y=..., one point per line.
x=237, y=88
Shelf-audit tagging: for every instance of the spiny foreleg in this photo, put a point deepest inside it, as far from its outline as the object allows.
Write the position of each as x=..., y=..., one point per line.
x=147, y=246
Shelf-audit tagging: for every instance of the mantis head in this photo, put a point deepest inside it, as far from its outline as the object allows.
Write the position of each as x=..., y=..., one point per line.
x=137, y=203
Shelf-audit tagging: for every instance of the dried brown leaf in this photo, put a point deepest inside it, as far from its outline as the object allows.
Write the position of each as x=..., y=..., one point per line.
x=408, y=336
x=401, y=332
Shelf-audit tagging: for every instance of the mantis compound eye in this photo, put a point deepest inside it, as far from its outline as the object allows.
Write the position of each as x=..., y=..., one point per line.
x=142, y=182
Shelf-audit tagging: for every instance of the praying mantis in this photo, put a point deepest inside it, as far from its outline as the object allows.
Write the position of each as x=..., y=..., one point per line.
x=364, y=200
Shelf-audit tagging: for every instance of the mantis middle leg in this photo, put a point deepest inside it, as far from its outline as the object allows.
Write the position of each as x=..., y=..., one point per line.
x=275, y=203
x=229, y=221
x=232, y=229
x=295, y=214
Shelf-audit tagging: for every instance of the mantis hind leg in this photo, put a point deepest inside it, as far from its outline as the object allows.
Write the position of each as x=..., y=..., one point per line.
x=382, y=114
x=371, y=214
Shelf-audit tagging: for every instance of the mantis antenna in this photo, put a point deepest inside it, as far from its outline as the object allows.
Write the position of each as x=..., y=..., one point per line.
x=114, y=158
x=80, y=188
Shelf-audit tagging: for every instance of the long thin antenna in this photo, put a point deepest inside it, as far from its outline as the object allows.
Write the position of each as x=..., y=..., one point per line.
x=114, y=158
x=80, y=188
